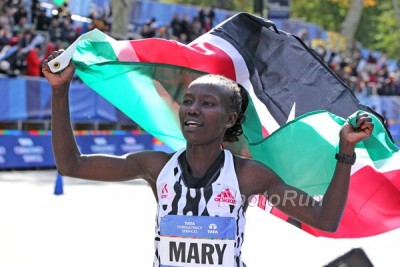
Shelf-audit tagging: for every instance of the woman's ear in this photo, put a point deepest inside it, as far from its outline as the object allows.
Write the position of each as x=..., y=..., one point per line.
x=231, y=120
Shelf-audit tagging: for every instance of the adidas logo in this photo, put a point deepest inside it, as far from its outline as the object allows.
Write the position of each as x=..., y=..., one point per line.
x=164, y=191
x=225, y=196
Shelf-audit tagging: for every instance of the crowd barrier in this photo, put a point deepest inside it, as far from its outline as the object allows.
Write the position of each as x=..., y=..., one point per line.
x=25, y=139
x=25, y=136
x=389, y=107
x=32, y=149
x=28, y=98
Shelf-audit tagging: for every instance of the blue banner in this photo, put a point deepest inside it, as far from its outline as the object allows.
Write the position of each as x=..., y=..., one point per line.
x=142, y=11
x=21, y=149
x=28, y=98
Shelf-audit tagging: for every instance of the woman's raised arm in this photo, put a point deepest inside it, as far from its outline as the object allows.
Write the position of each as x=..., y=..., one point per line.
x=70, y=161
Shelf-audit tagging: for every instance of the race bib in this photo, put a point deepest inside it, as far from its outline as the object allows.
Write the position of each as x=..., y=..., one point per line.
x=197, y=241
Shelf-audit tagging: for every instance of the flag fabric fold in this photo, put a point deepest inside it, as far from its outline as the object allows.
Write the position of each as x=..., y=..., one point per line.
x=303, y=156
x=296, y=108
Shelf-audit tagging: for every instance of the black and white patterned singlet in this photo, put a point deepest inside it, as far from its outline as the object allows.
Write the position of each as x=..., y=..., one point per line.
x=199, y=226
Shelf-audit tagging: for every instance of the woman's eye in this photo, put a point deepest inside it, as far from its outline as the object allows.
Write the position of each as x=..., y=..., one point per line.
x=186, y=102
x=209, y=104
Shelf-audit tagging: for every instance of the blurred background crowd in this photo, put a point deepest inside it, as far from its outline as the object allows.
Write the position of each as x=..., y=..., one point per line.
x=30, y=31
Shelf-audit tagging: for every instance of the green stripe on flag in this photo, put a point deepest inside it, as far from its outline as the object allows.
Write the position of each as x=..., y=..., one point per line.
x=88, y=53
x=302, y=151
x=135, y=95
x=58, y=2
x=147, y=93
x=295, y=149
x=252, y=127
x=379, y=145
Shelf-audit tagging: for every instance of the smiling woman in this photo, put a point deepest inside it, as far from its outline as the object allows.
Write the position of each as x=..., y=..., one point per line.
x=238, y=100
x=202, y=190
x=206, y=100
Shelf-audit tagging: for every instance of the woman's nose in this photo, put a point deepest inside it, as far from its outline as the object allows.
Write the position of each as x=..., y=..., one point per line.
x=193, y=109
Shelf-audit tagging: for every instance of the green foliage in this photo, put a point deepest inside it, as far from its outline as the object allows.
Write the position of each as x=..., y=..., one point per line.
x=322, y=12
x=378, y=29
x=238, y=5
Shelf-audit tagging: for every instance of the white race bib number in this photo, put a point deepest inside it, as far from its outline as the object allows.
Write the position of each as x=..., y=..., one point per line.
x=197, y=241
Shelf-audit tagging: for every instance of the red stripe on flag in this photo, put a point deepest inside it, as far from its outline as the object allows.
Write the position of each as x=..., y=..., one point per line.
x=279, y=214
x=203, y=57
x=262, y=202
x=373, y=206
x=126, y=53
x=264, y=132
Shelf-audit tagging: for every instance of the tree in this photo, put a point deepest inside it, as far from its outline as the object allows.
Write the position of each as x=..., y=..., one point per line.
x=373, y=23
x=352, y=20
x=396, y=10
x=378, y=28
x=238, y=5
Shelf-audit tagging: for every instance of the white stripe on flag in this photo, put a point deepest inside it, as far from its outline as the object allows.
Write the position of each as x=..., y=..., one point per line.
x=363, y=158
x=62, y=61
x=382, y=166
x=242, y=77
x=124, y=51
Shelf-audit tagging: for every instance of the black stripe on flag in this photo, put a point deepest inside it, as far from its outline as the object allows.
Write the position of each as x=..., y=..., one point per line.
x=284, y=71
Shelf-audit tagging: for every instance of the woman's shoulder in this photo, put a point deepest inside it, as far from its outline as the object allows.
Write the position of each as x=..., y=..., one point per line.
x=244, y=162
x=150, y=163
x=154, y=156
x=252, y=174
x=150, y=159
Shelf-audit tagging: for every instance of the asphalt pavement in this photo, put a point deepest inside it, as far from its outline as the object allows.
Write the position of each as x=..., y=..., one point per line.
x=103, y=224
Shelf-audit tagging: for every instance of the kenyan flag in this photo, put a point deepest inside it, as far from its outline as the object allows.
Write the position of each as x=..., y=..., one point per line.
x=285, y=127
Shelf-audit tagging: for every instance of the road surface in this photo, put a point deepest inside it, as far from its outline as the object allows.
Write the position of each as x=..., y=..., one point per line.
x=111, y=224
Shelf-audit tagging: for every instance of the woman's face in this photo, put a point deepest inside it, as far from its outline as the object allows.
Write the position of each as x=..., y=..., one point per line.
x=205, y=113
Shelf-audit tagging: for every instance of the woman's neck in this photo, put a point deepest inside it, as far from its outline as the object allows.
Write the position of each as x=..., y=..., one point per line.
x=200, y=159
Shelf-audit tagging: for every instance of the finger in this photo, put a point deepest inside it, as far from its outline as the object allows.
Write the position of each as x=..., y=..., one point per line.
x=57, y=53
x=367, y=128
x=45, y=65
x=54, y=54
x=364, y=115
x=60, y=51
x=367, y=125
x=50, y=58
x=363, y=119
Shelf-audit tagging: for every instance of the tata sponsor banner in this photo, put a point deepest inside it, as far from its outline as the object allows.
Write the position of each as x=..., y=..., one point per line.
x=118, y=144
x=27, y=98
x=23, y=149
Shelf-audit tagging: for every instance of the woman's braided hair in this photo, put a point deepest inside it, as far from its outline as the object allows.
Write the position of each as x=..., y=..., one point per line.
x=238, y=100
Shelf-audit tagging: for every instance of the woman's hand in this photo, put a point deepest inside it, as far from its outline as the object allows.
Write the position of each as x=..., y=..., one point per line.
x=58, y=80
x=350, y=136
